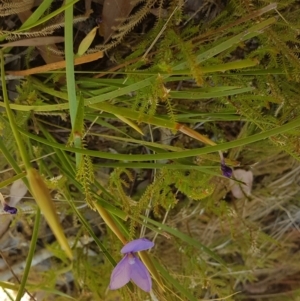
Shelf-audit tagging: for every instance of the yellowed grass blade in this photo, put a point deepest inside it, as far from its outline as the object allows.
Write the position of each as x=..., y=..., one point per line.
x=42, y=196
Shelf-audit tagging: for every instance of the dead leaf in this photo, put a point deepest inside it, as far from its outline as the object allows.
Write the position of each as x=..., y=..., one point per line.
x=35, y=42
x=113, y=14
x=43, y=50
x=59, y=65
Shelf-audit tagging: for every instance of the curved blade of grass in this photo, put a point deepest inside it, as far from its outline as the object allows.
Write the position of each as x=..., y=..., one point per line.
x=110, y=223
x=90, y=101
x=54, y=292
x=156, y=165
x=189, y=240
x=76, y=107
x=15, y=287
x=33, y=242
x=251, y=32
x=137, y=141
x=89, y=229
x=131, y=124
x=174, y=155
x=247, y=34
x=11, y=118
x=9, y=285
x=63, y=106
x=47, y=17
x=205, y=95
x=240, y=64
x=10, y=159
x=65, y=166
x=104, y=123
x=36, y=184
x=89, y=92
x=104, y=203
x=173, y=281
x=12, y=179
x=42, y=196
x=37, y=14
x=64, y=160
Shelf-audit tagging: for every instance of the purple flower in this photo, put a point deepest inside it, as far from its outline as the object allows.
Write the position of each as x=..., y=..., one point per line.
x=226, y=170
x=9, y=209
x=130, y=267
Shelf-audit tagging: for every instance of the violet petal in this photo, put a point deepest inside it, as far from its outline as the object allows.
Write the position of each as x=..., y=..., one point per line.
x=121, y=274
x=140, y=275
x=137, y=245
x=9, y=209
x=226, y=170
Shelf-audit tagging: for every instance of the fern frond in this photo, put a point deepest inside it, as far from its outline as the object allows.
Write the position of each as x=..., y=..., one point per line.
x=55, y=51
x=170, y=110
x=128, y=24
x=49, y=29
x=133, y=20
x=118, y=182
x=12, y=36
x=186, y=48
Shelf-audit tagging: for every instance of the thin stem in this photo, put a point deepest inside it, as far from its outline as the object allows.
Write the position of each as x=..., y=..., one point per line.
x=9, y=158
x=147, y=211
x=174, y=155
x=11, y=118
x=71, y=86
x=30, y=254
x=110, y=222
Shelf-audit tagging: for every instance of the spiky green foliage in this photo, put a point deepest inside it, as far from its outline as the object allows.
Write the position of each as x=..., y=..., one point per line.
x=276, y=49
x=183, y=209
x=85, y=176
x=120, y=180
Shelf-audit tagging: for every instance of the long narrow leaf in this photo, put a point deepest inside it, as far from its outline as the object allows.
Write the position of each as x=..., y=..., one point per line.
x=174, y=155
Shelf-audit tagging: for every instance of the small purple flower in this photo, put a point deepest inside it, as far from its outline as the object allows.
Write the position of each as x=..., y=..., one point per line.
x=226, y=170
x=9, y=209
x=130, y=267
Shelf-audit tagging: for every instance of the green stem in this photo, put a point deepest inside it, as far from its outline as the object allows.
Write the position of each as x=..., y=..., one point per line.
x=8, y=285
x=11, y=118
x=9, y=158
x=13, y=179
x=173, y=155
x=30, y=254
x=71, y=86
x=88, y=228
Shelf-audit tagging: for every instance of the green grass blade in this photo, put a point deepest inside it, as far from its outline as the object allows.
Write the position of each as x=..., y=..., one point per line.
x=247, y=34
x=183, y=237
x=176, y=285
x=36, y=15
x=205, y=95
x=30, y=254
x=47, y=17
x=74, y=108
x=174, y=155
